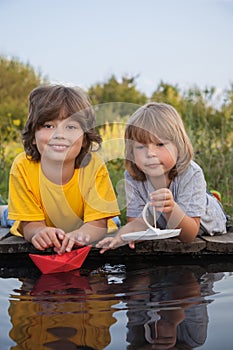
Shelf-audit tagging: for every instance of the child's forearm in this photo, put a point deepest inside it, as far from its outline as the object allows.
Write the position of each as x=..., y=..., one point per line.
x=30, y=228
x=133, y=225
x=189, y=229
x=189, y=225
x=90, y=232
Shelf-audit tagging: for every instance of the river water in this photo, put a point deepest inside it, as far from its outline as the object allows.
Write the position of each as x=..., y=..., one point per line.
x=139, y=304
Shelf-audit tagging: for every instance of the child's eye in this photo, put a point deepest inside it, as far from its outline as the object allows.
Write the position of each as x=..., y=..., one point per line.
x=71, y=127
x=47, y=126
x=160, y=144
x=139, y=147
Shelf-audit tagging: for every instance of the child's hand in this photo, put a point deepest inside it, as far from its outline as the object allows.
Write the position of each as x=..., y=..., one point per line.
x=73, y=238
x=47, y=237
x=89, y=232
x=109, y=243
x=162, y=200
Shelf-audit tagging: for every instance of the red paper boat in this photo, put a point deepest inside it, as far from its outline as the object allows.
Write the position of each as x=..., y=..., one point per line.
x=61, y=263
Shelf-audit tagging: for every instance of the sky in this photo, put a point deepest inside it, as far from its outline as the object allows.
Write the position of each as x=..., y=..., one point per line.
x=83, y=42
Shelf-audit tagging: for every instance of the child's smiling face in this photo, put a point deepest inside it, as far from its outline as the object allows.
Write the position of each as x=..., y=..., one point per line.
x=59, y=140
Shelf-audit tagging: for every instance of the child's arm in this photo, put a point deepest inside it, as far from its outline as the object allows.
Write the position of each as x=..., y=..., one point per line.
x=42, y=236
x=189, y=228
x=133, y=225
x=162, y=200
x=88, y=233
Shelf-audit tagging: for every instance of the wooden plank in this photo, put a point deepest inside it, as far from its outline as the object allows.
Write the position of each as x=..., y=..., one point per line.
x=3, y=232
x=171, y=246
x=14, y=244
x=219, y=243
x=174, y=245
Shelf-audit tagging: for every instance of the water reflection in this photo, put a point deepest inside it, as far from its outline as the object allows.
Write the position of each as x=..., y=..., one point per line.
x=165, y=307
x=62, y=311
x=172, y=313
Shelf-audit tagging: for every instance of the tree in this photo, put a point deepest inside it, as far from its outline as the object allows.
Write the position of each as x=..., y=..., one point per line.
x=167, y=93
x=17, y=81
x=116, y=100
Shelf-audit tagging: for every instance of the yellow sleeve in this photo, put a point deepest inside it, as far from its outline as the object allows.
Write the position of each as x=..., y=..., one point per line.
x=98, y=193
x=24, y=200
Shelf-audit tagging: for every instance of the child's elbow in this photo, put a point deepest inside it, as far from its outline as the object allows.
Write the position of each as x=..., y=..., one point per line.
x=187, y=237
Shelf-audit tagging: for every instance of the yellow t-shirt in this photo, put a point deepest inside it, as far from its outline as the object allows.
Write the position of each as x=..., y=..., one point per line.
x=88, y=196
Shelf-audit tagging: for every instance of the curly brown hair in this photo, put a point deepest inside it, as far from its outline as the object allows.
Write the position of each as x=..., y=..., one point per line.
x=50, y=102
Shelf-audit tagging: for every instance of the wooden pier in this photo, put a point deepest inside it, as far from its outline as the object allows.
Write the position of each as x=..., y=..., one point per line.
x=206, y=245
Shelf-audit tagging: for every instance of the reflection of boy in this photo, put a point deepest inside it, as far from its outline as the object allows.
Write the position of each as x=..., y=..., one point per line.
x=171, y=316
x=60, y=191
x=59, y=317
x=187, y=326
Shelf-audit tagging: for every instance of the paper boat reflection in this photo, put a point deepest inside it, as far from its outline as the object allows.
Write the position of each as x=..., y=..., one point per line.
x=63, y=281
x=61, y=263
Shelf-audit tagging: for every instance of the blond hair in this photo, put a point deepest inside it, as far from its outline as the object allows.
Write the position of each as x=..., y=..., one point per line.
x=157, y=121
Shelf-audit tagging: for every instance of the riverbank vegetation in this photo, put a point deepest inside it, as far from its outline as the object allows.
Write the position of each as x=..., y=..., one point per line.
x=207, y=115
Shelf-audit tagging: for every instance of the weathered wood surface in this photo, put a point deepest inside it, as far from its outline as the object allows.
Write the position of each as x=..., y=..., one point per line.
x=220, y=245
x=3, y=232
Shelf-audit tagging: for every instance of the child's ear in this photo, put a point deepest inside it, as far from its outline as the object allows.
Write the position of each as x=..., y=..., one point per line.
x=34, y=142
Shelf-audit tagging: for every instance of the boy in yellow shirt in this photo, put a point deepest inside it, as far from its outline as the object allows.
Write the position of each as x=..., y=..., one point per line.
x=60, y=193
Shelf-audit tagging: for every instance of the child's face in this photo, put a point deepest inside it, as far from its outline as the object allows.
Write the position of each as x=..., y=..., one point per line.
x=59, y=140
x=155, y=159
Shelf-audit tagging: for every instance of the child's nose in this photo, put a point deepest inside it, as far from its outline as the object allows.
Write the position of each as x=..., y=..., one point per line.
x=151, y=150
x=58, y=132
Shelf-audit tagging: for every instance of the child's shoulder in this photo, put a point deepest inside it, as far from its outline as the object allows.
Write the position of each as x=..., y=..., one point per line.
x=129, y=178
x=95, y=163
x=22, y=161
x=193, y=173
x=193, y=168
x=21, y=157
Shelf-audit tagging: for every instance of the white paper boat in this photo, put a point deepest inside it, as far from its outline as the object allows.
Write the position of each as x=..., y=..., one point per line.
x=152, y=232
x=150, y=235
